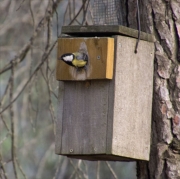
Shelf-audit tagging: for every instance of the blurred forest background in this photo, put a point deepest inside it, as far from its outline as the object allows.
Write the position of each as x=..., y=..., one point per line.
x=29, y=92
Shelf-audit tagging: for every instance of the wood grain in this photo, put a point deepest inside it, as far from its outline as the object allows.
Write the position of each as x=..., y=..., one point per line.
x=110, y=119
x=133, y=99
x=106, y=30
x=85, y=114
x=100, y=63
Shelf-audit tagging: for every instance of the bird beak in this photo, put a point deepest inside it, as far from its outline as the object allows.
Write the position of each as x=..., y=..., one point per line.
x=60, y=58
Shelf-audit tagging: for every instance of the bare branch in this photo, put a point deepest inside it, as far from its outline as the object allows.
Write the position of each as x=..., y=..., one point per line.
x=85, y=12
x=75, y=170
x=57, y=168
x=5, y=92
x=43, y=161
x=77, y=14
x=23, y=52
x=32, y=14
x=46, y=80
x=98, y=170
x=5, y=138
x=13, y=145
x=112, y=171
x=44, y=58
x=20, y=5
x=2, y=167
x=51, y=109
x=57, y=21
x=78, y=170
x=20, y=168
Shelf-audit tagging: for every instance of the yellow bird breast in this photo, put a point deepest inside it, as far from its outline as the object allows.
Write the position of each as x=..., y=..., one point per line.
x=79, y=63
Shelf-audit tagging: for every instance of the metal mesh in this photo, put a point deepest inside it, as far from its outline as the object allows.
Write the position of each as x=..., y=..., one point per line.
x=106, y=12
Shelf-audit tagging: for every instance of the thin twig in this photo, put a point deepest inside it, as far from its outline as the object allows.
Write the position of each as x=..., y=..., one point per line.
x=76, y=15
x=32, y=14
x=139, y=27
x=23, y=52
x=20, y=5
x=30, y=104
x=13, y=145
x=5, y=138
x=3, y=168
x=1, y=102
x=69, y=5
x=47, y=83
x=20, y=168
x=2, y=118
x=112, y=171
x=74, y=7
x=51, y=109
x=98, y=170
x=75, y=171
x=43, y=161
x=78, y=168
x=5, y=92
x=64, y=19
x=57, y=169
x=84, y=10
x=86, y=168
x=85, y=13
x=57, y=21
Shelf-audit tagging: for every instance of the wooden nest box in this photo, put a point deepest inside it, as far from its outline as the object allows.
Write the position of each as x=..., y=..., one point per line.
x=105, y=109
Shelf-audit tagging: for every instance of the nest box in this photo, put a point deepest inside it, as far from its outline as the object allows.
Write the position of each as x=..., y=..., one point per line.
x=105, y=109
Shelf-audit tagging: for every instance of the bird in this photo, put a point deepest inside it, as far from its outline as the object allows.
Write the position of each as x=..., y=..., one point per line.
x=76, y=59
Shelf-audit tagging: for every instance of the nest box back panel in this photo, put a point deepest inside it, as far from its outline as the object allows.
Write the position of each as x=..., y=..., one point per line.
x=100, y=52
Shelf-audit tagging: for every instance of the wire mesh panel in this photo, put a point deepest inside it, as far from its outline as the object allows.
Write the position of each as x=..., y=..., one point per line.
x=107, y=12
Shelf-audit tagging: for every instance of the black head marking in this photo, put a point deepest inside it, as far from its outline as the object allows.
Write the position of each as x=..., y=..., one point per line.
x=67, y=58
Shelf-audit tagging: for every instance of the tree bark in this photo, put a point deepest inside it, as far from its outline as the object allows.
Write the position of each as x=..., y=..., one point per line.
x=162, y=18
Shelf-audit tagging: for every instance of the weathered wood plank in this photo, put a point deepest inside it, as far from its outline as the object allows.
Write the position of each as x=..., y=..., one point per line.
x=85, y=117
x=103, y=157
x=108, y=30
x=133, y=99
x=59, y=118
x=100, y=58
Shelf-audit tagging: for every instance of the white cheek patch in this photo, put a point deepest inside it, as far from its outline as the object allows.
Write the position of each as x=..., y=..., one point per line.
x=68, y=58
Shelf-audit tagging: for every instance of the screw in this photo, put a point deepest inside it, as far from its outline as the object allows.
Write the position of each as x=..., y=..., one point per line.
x=98, y=57
x=71, y=150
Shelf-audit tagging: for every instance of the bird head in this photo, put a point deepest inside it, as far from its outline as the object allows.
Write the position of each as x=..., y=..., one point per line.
x=68, y=57
x=76, y=59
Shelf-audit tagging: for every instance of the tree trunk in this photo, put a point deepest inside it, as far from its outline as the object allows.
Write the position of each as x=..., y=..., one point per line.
x=162, y=18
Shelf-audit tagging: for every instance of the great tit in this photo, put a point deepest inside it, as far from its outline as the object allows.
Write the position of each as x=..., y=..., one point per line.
x=77, y=59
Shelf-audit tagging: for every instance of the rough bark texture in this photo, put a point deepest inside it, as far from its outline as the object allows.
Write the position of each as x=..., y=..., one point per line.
x=162, y=18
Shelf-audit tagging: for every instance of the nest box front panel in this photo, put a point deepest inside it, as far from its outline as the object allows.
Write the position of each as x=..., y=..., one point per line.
x=84, y=123
x=100, y=52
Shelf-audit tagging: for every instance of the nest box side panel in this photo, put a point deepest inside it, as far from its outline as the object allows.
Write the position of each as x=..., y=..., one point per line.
x=132, y=98
x=84, y=119
x=100, y=51
x=59, y=118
